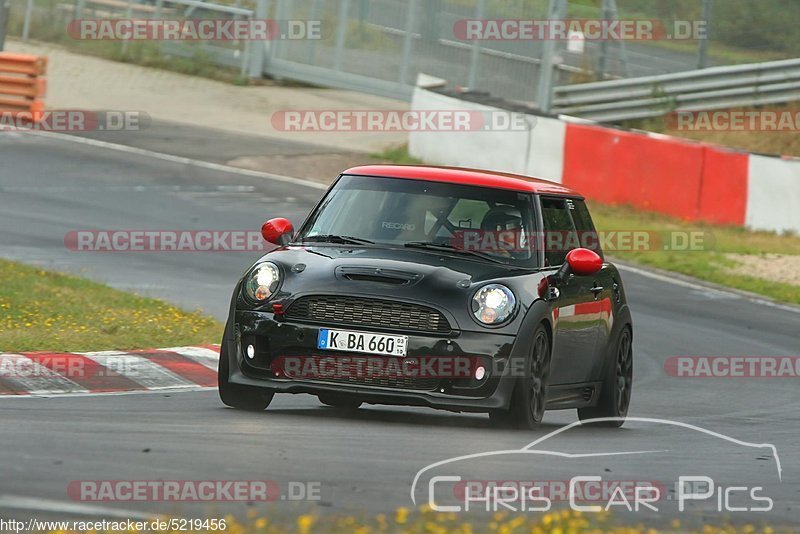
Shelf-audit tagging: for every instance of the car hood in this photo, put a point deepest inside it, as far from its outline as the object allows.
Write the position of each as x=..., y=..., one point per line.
x=443, y=280
x=383, y=270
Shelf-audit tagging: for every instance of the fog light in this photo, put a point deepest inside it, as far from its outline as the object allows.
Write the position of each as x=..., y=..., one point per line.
x=251, y=351
x=480, y=372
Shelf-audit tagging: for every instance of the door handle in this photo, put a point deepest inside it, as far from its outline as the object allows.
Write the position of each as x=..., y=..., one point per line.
x=596, y=289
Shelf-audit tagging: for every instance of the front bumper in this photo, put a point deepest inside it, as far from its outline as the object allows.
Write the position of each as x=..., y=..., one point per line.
x=275, y=341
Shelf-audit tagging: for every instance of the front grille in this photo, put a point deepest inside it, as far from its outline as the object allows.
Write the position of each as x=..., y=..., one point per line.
x=355, y=370
x=354, y=311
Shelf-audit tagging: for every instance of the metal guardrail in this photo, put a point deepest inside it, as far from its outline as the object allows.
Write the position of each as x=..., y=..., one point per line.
x=650, y=96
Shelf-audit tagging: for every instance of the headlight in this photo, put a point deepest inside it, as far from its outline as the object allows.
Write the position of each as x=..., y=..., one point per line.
x=493, y=304
x=262, y=281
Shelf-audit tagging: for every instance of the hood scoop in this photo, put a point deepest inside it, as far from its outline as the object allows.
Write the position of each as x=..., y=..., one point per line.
x=378, y=274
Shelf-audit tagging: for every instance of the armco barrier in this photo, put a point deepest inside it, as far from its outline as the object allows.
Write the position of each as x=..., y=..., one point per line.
x=22, y=83
x=661, y=173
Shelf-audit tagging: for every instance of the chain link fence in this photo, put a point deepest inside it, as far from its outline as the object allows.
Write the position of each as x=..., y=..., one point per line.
x=380, y=46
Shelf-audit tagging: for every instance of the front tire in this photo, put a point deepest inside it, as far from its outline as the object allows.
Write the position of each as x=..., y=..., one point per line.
x=237, y=396
x=528, y=401
x=615, y=393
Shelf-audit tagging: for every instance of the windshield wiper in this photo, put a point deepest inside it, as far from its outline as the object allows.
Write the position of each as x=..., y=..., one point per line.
x=431, y=245
x=330, y=238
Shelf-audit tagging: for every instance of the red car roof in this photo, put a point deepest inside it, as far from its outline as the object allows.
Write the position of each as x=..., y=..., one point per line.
x=458, y=175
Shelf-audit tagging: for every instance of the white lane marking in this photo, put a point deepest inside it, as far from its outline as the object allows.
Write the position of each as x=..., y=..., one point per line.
x=34, y=379
x=176, y=389
x=139, y=369
x=176, y=159
x=699, y=286
x=18, y=502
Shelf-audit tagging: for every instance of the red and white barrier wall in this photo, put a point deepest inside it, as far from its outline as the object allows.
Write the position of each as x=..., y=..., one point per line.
x=60, y=373
x=664, y=174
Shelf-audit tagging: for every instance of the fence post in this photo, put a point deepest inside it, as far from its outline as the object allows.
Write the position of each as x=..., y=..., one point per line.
x=256, y=52
x=702, y=50
x=5, y=9
x=544, y=95
x=281, y=15
x=244, y=66
x=26, y=25
x=312, y=43
x=605, y=14
x=341, y=34
x=475, y=56
x=129, y=16
x=79, y=5
x=408, y=40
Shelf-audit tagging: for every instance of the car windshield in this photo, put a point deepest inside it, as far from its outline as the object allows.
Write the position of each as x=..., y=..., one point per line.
x=477, y=222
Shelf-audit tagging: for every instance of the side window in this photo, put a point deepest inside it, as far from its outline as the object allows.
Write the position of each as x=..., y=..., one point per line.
x=585, y=226
x=560, y=234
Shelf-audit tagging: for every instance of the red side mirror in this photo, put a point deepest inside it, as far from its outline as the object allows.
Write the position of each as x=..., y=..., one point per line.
x=584, y=262
x=277, y=231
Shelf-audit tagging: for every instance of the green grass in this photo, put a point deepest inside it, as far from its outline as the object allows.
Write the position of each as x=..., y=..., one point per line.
x=709, y=264
x=397, y=154
x=43, y=310
x=783, y=142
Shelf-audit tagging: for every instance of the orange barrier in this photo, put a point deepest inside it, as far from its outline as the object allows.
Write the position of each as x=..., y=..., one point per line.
x=723, y=189
x=22, y=84
x=660, y=174
x=686, y=179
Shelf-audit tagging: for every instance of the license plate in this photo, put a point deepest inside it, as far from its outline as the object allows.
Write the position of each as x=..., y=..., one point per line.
x=350, y=341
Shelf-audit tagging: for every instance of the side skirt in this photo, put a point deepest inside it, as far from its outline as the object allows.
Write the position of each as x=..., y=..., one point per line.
x=567, y=396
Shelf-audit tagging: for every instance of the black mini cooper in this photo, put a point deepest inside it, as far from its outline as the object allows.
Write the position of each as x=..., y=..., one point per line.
x=450, y=288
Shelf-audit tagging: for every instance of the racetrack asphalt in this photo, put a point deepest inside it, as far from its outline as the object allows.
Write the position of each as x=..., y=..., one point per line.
x=364, y=461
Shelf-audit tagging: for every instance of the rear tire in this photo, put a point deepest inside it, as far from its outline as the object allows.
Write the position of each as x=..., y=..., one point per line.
x=236, y=396
x=529, y=398
x=342, y=403
x=615, y=393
